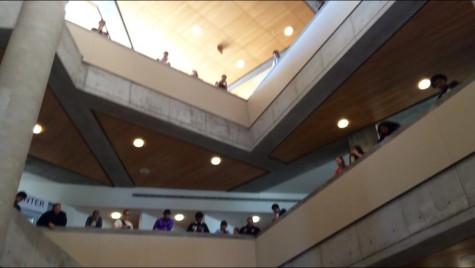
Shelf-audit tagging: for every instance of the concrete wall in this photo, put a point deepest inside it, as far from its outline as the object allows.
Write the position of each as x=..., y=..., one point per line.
x=434, y=208
x=113, y=248
x=150, y=87
x=429, y=146
x=315, y=35
x=336, y=28
x=28, y=246
x=104, y=54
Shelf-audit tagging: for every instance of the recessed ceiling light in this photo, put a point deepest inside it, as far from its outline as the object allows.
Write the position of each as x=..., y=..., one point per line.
x=37, y=129
x=144, y=171
x=116, y=215
x=240, y=64
x=215, y=160
x=288, y=31
x=196, y=30
x=343, y=123
x=424, y=84
x=138, y=142
x=467, y=259
x=256, y=219
x=179, y=217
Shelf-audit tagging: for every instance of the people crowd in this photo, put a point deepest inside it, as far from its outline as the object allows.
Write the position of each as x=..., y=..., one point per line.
x=221, y=84
x=56, y=217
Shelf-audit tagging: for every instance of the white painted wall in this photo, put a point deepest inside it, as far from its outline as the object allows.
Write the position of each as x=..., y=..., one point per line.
x=146, y=221
x=111, y=197
x=78, y=201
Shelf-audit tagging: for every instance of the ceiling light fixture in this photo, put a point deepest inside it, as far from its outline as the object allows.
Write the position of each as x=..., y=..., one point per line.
x=343, y=123
x=144, y=171
x=179, y=217
x=240, y=64
x=116, y=215
x=467, y=259
x=256, y=219
x=138, y=142
x=424, y=84
x=37, y=129
x=288, y=31
x=196, y=30
x=215, y=160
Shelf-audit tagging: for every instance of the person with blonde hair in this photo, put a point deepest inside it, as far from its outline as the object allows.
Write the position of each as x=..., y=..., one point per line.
x=124, y=222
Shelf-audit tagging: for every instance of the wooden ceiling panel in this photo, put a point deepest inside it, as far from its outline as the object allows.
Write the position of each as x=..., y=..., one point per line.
x=278, y=24
x=387, y=82
x=242, y=26
x=61, y=144
x=267, y=18
x=301, y=13
x=458, y=255
x=172, y=163
x=233, y=23
x=189, y=19
x=237, y=54
x=256, y=8
x=223, y=13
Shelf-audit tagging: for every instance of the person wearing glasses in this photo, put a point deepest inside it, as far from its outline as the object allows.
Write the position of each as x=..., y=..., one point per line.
x=124, y=222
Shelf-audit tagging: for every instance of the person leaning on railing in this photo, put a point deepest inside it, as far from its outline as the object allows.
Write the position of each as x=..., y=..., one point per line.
x=94, y=221
x=439, y=81
x=355, y=153
x=124, y=222
x=53, y=218
x=387, y=128
x=100, y=29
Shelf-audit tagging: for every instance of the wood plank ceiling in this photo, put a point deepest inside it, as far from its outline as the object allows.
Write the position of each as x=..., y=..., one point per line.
x=172, y=163
x=461, y=254
x=439, y=38
x=61, y=144
x=250, y=30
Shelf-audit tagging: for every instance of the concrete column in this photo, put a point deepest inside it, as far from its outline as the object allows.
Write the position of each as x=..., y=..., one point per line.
x=24, y=73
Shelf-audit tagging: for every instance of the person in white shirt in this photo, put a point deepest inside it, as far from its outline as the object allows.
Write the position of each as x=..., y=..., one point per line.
x=223, y=228
x=123, y=222
x=276, y=59
x=164, y=59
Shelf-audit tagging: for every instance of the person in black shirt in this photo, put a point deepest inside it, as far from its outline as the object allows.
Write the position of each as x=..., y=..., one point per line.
x=53, y=218
x=198, y=226
x=439, y=81
x=20, y=196
x=386, y=128
x=277, y=211
x=250, y=228
x=222, y=83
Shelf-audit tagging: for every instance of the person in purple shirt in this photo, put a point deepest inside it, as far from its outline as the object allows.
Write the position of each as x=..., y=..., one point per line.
x=165, y=223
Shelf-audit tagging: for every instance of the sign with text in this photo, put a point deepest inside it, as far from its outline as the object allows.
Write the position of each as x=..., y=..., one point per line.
x=34, y=203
